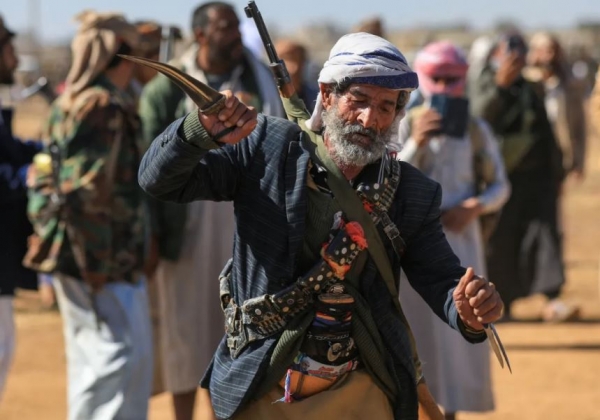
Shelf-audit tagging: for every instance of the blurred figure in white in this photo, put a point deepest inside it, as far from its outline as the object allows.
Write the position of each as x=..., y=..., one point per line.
x=460, y=153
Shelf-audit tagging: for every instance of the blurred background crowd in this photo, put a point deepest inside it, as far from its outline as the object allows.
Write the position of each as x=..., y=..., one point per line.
x=550, y=76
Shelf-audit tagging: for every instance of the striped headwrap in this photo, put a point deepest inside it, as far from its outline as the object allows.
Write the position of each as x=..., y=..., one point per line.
x=364, y=59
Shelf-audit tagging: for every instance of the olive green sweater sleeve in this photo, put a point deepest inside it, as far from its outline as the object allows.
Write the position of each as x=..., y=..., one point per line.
x=193, y=132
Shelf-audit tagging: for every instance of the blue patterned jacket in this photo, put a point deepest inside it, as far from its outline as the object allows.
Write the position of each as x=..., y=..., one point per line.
x=265, y=177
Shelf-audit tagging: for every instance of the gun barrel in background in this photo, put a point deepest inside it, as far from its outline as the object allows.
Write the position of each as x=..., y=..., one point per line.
x=167, y=43
x=278, y=68
x=252, y=12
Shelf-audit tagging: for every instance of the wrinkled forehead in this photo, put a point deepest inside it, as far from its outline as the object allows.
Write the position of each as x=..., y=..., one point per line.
x=373, y=93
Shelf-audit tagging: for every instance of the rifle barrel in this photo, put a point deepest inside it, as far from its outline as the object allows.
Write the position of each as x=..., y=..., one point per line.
x=253, y=12
x=278, y=67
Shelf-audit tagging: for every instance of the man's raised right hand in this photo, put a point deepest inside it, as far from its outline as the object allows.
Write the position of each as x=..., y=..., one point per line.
x=234, y=114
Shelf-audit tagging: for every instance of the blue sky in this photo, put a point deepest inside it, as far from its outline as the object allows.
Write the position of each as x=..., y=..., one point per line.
x=56, y=15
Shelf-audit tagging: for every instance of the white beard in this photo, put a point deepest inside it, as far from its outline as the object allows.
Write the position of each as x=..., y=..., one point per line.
x=348, y=153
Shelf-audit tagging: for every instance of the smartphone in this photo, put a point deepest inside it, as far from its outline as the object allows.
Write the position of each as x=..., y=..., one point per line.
x=515, y=44
x=454, y=112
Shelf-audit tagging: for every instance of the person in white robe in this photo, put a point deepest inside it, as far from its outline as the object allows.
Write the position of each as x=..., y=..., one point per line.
x=457, y=372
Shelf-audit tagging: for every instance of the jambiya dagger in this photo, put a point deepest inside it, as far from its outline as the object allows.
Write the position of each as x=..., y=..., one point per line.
x=208, y=100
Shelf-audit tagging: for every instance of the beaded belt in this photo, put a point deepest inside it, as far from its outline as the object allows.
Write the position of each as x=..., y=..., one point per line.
x=267, y=315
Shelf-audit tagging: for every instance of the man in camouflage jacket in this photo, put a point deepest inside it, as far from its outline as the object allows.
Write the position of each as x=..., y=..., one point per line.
x=97, y=237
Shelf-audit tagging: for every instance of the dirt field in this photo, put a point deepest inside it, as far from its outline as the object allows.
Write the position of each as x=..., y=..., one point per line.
x=556, y=368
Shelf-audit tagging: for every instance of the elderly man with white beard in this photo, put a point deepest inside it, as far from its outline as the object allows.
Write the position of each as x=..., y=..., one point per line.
x=309, y=295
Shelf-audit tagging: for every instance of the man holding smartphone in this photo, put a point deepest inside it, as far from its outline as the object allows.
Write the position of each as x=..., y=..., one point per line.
x=525, y=252
x=445, y=142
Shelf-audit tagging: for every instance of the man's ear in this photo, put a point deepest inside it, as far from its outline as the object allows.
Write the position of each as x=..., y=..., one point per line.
x=327, y=95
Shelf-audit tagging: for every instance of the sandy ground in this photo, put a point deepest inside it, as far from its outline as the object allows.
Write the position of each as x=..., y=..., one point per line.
x=556, y=368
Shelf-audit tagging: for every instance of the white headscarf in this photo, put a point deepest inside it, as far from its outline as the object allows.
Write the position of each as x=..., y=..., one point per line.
x=364, y=58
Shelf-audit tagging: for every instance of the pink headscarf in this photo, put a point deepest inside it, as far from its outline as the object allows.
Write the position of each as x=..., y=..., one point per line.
x=441, y=59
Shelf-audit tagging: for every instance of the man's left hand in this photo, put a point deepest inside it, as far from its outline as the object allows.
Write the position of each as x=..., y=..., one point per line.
x=477, y=301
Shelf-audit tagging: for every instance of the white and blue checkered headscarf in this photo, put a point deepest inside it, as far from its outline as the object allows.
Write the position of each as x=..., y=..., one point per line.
x=366, y=59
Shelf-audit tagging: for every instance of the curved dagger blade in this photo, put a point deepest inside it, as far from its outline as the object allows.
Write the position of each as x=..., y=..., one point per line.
x=494, y=339
x=208, y=100
x=496, y=344
x=493, y=328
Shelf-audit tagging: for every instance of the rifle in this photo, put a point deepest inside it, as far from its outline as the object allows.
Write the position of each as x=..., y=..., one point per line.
x=40, y=86
x=278, y=68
